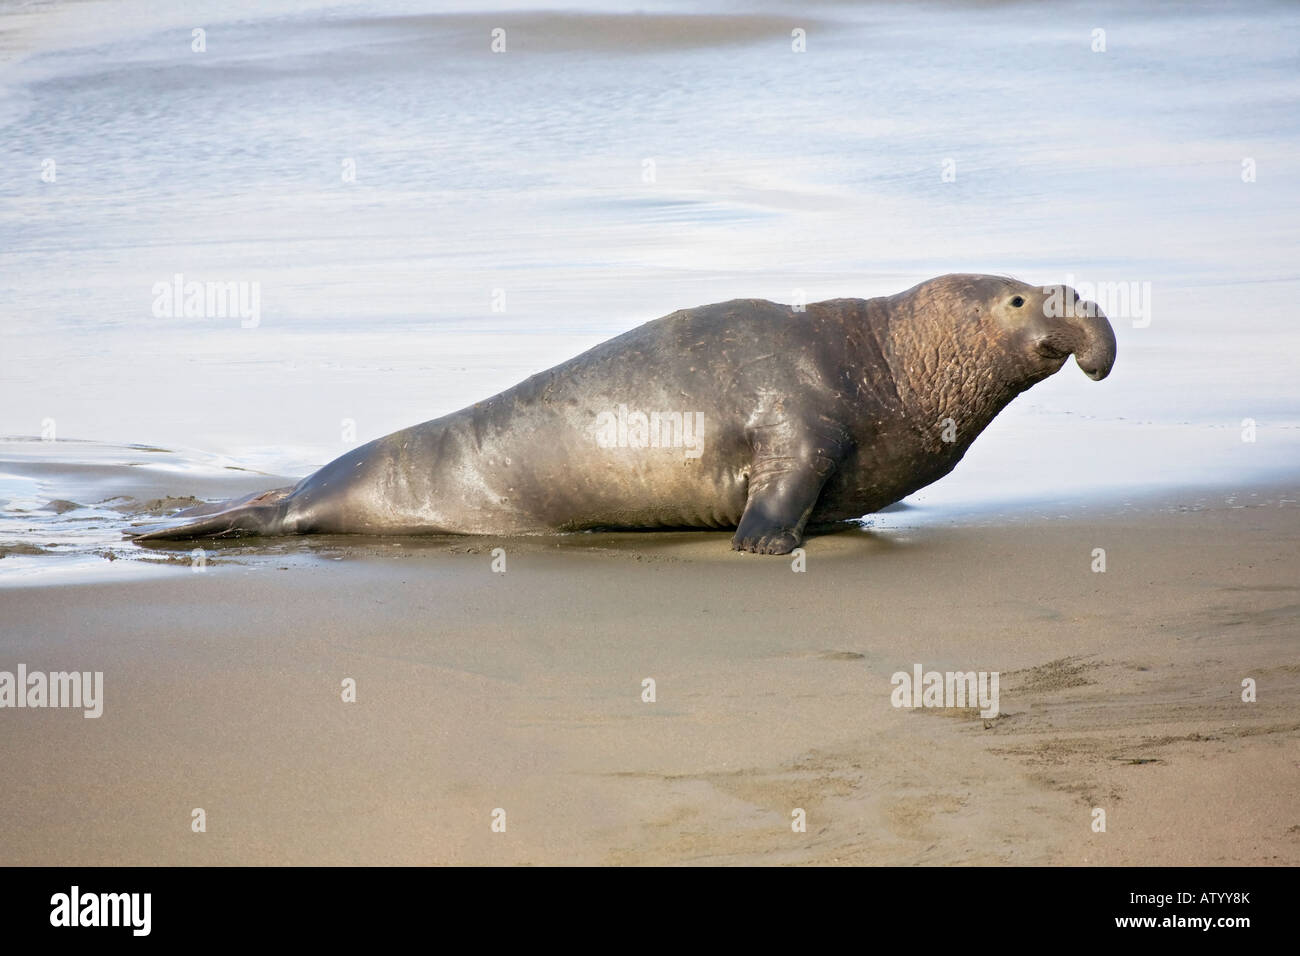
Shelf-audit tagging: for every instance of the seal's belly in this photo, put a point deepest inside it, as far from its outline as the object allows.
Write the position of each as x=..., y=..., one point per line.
x=664, y=494
x=629, y=488
x=553, y=475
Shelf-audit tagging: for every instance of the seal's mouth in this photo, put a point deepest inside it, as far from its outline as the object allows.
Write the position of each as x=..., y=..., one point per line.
x=1051, y=350
x=1096, y=374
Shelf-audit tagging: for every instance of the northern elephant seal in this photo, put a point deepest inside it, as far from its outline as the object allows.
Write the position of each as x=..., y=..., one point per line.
x=744, y=414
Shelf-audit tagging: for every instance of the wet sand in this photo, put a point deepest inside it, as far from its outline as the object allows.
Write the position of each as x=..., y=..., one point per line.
x=522, y=691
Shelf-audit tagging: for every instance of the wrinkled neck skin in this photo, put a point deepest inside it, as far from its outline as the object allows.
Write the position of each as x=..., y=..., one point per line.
x=949, y=360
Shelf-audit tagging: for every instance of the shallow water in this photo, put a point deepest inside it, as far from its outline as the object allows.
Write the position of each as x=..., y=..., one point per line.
x=521, y=178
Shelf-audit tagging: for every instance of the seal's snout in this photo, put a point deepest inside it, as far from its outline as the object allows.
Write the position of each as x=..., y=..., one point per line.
x=1071, y=326
x=1095, y=351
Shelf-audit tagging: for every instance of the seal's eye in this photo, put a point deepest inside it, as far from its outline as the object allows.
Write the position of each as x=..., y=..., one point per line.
x=1018, y=301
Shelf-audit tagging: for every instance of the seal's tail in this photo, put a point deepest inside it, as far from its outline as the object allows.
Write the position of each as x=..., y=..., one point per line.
x=258, y=514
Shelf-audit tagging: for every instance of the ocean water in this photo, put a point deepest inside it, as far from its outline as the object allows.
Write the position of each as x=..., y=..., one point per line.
x=426, y=221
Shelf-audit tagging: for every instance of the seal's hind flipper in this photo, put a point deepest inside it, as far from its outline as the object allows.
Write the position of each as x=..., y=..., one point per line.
x=257, y=514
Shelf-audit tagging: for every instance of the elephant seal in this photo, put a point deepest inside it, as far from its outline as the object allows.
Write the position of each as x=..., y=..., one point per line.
x=745, y=414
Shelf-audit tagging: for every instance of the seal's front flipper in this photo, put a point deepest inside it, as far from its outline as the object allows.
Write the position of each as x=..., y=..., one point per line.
x=791, y=464
x=259, y=514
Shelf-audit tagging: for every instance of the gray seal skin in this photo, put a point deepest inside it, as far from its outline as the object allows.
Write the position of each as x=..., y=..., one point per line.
x=802, y=418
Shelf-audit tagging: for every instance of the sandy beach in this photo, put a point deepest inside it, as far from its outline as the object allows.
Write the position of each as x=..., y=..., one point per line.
x=522, y=691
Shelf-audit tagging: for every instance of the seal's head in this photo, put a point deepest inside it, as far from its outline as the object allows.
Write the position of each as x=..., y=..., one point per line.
x=1046, y=325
